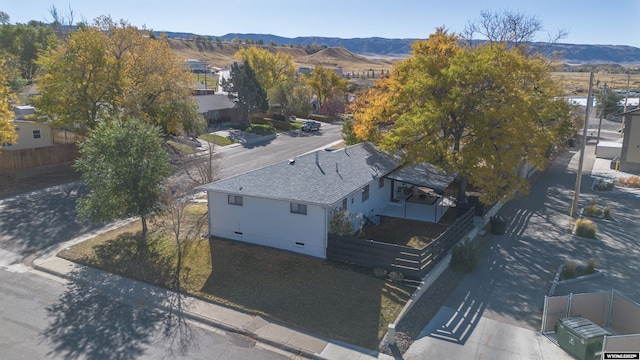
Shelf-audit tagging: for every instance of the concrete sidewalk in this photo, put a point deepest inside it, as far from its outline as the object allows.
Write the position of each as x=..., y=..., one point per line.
x=136, y=293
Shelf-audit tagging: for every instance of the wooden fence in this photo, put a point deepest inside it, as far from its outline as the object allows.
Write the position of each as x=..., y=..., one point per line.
x=16, y=162
x=412, y=263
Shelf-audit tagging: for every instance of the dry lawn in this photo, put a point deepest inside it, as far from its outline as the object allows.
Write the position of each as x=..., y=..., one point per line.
x=332, y=300
x=412, y=233
x=577, y=83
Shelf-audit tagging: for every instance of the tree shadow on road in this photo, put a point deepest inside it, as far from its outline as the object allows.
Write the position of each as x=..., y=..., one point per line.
x=85, y=324
x=115, y=318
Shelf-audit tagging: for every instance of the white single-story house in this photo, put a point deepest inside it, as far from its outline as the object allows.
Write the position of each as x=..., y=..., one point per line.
x=31, y=134
x=288, y=205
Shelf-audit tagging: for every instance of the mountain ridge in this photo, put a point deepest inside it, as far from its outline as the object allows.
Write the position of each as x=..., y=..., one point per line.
x=571, y=54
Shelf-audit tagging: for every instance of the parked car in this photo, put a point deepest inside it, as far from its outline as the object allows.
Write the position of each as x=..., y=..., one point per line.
x=310, y=126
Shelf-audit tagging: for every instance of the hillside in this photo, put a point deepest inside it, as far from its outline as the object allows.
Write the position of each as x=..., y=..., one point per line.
x=222, y=55
x=573, y=54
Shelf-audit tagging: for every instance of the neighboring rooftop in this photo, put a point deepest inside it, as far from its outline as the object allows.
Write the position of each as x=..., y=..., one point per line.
x=214, y=102
x=23, y=111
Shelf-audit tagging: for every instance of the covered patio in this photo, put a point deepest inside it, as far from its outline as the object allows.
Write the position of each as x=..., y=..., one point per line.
x=418, y=193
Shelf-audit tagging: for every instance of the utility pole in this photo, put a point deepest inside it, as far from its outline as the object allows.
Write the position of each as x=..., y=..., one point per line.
x=576, y=193
x=603, y=105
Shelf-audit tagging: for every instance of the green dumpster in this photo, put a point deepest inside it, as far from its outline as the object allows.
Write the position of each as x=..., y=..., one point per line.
x=580, y=337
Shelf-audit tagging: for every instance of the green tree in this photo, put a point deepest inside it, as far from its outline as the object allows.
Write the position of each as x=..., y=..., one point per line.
x=124, y=165
x=7, y=129
x=23, y=42
x=270, y=68
x=244, y=88
x=608, y=102
x=348, y=134
x=479, y=112
x=326, y=84
x=293, y=96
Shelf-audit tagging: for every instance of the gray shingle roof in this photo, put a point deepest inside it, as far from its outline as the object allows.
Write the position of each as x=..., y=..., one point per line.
x=339, y=173
x=213, y=102
x=426, y=175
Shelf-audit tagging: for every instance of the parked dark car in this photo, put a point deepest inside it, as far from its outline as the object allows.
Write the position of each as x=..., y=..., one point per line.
x=310, y=126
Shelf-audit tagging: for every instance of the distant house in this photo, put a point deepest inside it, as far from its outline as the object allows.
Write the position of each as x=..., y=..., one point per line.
x=217, y=108
x=198, y=66
x=31, y=134
x=288, y=205
x=39, y=149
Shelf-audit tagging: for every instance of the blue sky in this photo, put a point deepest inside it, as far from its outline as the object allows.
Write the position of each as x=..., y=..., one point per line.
x=604, y=22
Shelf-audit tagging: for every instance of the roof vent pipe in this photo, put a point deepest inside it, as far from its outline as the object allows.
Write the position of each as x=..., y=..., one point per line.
x=318, y=158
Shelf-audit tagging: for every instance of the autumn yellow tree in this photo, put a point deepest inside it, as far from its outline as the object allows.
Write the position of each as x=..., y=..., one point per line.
x=7, y=129
x=110, y=70
x=270, y=67
x=326, y=84
x=477, y=112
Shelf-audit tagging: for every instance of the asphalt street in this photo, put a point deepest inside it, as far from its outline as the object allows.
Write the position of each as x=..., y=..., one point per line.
x=44, y=318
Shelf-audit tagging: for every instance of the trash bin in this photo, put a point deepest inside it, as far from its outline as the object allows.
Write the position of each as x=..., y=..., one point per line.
x=498, y=225
x=580, y=337
x=615, y=163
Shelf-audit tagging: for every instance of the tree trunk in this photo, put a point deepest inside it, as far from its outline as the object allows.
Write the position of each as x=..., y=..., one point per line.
x=144, y=226
x=462, y=189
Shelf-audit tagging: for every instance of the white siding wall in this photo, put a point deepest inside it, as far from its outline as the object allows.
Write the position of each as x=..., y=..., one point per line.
x=378, y=200
x=269, y=223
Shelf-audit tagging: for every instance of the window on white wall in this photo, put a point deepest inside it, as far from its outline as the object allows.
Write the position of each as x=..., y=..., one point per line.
x=365, y=193
x=380, y=183
x=36, y=134
x=344, y=203
x=298, y=209
x=234, y=200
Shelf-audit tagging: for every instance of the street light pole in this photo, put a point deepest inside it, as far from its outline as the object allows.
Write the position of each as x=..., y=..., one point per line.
x=602, y=107
x=576, y=193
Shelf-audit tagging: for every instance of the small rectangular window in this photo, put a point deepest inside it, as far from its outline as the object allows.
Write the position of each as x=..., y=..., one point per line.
x=299, y=244
x=36, y=134
x=365, y=193
x=234, y=200
x=380, y=183
x=237, y=233
x=298, y=209
x=344, y=203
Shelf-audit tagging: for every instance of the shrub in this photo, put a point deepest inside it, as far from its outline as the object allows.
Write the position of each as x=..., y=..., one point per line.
x=594, y=202
x=606, y=212
x=379, y=272
x=593, y=210
x=321, y=118
x=569, y=271
x=396, y=276
x=632, y=181
x=604, y=185
x=261, y=129
x=464, y=256
x=591, y=265
x=586, y=228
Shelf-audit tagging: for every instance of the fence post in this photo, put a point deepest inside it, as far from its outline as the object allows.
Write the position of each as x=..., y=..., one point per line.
x=391, y=334
x=544, y=314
